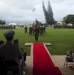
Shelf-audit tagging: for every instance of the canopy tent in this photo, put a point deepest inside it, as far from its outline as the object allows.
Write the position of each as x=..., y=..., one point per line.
x=12, y=24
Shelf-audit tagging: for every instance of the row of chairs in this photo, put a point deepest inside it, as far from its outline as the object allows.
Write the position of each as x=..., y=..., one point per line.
x=8, y=66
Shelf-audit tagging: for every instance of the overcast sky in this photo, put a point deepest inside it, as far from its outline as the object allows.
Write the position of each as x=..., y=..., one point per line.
x=21, y=10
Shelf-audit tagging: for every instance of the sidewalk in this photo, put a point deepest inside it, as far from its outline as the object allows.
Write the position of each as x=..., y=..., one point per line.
x=58, y=61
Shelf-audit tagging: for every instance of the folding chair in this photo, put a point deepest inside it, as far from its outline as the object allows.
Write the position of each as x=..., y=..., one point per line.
x=68, y=61
x=13, y=66
x=2, y=66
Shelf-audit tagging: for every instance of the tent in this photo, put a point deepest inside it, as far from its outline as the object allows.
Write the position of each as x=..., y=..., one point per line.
x=12, y=24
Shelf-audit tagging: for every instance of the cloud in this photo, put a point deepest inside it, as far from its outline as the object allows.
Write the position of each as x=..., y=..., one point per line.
x=21, y=10
x=62, y=8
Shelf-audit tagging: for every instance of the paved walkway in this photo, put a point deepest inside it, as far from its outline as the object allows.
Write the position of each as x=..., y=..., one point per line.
x=58, y=60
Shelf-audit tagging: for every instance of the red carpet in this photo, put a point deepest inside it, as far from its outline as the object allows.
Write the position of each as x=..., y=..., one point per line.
x=42, y=63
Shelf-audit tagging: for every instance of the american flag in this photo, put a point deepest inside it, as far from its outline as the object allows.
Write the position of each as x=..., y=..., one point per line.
x=33, y=10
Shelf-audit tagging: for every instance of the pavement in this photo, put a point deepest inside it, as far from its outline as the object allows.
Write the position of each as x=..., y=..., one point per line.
x=58, y=61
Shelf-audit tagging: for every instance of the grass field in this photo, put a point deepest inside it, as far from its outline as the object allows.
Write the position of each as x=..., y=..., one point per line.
x=61, y=39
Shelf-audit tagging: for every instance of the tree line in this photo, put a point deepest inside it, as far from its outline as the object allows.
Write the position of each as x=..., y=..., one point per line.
x=49, y=16
x=2, y=22
x=48, y=13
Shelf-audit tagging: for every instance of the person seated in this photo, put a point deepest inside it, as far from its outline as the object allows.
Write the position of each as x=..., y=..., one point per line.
x=16, y=42
x=69, y=57
x=73, y=56
x=10, y=51
x=1, y=42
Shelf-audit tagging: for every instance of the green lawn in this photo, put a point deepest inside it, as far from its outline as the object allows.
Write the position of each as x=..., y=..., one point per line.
x=61, y=39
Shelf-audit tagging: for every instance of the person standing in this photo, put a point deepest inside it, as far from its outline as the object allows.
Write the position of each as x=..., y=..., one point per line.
x=36, y=33
x=25, y=29
x=30, y=30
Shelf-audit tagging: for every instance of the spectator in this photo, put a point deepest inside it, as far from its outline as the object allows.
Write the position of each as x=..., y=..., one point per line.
x=10, y=51
x=1, y=42
x=16, y=42
x=69, y=56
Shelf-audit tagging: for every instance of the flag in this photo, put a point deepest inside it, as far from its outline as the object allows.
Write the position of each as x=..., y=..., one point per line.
x=37, y=22
x=33, y=10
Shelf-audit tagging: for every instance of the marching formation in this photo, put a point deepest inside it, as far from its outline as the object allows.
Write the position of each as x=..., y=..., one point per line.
x=36, y=30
